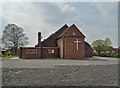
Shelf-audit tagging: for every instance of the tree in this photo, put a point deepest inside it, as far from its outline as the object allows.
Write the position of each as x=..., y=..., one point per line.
x=13, y=37
x=107, y=42
x=101, y=45
x=98, y=45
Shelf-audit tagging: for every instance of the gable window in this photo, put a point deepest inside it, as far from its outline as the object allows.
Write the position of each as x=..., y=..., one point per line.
x=73, y=33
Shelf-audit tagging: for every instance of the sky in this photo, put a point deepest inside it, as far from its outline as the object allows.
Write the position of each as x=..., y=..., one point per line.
x=97, y=20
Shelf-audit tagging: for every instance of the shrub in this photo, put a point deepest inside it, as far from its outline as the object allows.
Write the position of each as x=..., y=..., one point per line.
x=108, y=54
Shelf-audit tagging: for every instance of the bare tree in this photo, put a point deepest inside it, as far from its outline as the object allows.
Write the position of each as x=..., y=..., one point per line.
x=13, y=37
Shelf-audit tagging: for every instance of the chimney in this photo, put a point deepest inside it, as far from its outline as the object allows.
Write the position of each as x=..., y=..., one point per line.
x=39, y=39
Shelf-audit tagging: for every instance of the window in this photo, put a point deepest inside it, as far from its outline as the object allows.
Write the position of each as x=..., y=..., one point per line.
x=73, y=33
x=52, y=50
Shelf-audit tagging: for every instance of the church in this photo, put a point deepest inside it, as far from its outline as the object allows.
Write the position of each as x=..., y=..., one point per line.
x=66, y=43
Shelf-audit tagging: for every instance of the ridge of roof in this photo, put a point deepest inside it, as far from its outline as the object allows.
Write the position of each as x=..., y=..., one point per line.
x=62, y=29
x=63, y=32
x=87, y=43
x=58, y=32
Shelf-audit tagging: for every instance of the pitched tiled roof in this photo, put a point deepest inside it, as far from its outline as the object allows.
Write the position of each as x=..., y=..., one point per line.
x=59, y=32
x=68, y=29
x=50, y=41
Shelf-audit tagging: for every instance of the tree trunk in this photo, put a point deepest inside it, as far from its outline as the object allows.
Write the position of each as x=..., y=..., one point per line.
x=14, y=51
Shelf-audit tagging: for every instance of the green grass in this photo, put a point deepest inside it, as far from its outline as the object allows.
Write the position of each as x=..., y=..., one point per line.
x=7, y=56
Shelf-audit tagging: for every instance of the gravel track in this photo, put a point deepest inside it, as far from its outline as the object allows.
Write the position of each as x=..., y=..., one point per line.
x=62, y=75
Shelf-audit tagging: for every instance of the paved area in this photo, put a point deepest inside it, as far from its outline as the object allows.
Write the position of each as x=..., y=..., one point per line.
x=50, y=63
x=96, y=71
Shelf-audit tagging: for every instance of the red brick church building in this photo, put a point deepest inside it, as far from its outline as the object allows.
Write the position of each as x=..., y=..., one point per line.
x=66, y=43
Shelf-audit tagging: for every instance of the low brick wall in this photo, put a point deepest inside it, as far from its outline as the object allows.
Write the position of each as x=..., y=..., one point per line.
x=30, y=52
x=38, y=52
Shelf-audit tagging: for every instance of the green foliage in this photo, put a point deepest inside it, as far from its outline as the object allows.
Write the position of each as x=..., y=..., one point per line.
x=103, y=48
x=97, y=45
x=107, y=42
x=101, y=45
x=108, y=54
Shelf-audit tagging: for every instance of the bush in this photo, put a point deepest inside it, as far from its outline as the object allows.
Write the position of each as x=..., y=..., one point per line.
x=108, y=54
x=95, y=54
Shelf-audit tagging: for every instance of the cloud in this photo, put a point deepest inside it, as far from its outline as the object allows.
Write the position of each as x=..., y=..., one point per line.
x=34, y=17
x=59, y=0
x=64, y=8
x=107, y=9
x=48, y=17
x=23, y=15
x=94, y=33
x=0, y=19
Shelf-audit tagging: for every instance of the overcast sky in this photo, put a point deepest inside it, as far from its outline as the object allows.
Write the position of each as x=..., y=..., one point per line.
x=97, y=20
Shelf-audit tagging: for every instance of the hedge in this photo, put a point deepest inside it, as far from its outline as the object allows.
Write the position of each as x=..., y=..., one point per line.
x=108, y=54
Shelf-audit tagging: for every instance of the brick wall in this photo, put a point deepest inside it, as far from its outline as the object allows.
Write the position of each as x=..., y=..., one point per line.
x=88, y=52
x=30, y=52
x=50, y=52
x=60, y=45
x=35, y=52
x=70, y=48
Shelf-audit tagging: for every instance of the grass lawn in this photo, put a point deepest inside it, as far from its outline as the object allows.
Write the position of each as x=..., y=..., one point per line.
x=7, y=56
